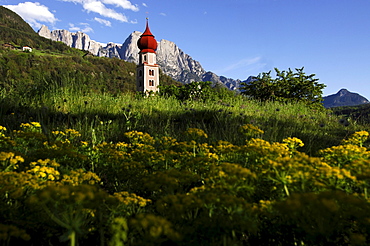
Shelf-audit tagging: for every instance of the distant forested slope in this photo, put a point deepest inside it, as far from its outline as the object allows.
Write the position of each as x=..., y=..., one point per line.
x=54, y=64
x=14, y=30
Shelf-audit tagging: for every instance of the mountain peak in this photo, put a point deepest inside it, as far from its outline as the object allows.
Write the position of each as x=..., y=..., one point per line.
x=344, y=98
x=342, y=92
x=44, y=32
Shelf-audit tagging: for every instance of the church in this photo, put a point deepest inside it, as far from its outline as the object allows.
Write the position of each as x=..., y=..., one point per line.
x=147, y=71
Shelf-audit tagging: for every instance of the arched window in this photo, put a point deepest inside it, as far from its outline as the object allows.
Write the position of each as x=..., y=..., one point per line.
x=144, y=58
x=151, y=72
x=151, y=82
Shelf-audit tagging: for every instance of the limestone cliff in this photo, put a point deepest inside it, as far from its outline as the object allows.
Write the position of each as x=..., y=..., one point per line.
x=171, y=59
x=76, y=40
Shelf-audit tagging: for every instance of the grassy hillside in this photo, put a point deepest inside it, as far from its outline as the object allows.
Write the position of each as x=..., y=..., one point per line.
x=360, y=113
x=24, y=73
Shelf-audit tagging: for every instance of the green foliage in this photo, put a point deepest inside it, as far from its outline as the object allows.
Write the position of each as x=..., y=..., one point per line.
x=166, y=80
x=288, y=86
x=358, y=114
x=31, y=74
x=192, y=91
x=11, y=20
x=197, y=91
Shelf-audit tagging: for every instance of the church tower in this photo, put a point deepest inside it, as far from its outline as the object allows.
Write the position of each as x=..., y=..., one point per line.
x=147, y=71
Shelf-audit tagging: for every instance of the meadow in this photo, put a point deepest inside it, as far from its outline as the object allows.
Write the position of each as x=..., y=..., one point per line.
x=85, y=161
x=88, y=168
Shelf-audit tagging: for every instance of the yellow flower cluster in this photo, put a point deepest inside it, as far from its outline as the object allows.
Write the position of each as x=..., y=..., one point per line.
x=10, y=160
x=231, y=171
x=127, y=199
x=45, y=169
x=136, y=137
x=344, y=154
x=58, y=133
x=31, y=127
x=72, y=133
x=357, y=138
x=30, y=131
x=227, y=176
x=167, y=142
x=260, y=150
x=250, y=130
x=121, y=146
x=293, y=142
x=330, y=174
x=67, y=136
x=189, y=180
x=2, y=129
x=195, y=133
x=84, y=143
x=225, y=147
x=79, y=176
x=17, y=183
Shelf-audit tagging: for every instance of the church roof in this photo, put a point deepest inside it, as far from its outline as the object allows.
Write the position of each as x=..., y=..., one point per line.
x=147, y=42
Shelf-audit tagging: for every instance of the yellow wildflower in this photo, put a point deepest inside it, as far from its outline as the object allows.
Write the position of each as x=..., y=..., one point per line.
x=250, y=130
x=196, y=133
x=357, y=138
x=293, y=143
x=36, y=124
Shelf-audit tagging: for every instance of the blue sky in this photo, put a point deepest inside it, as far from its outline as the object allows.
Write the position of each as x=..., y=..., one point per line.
x=233, y=38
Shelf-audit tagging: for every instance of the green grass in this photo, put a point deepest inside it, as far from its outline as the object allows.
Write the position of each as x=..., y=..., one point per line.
x=105, y=117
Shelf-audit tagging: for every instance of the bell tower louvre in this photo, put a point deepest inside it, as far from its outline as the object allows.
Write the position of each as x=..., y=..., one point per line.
x=147, y=71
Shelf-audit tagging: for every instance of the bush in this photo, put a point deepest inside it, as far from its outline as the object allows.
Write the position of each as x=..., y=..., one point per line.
x=288, y=86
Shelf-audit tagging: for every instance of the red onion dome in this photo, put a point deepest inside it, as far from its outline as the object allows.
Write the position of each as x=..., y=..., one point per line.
x=147, y=42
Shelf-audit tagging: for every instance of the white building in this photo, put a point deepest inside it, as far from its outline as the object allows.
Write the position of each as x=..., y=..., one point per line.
x=147, y=71
x=27, y=49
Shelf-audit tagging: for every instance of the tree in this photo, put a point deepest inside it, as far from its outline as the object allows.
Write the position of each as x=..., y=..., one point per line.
x=288, y=86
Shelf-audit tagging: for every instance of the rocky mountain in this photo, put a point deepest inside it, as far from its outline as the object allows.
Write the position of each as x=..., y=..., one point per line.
x=78, y=40
x=171, y=59
x=344, y=98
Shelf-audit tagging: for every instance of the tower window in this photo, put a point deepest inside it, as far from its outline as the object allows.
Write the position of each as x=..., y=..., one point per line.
x=151, y=72
x=145, y=58
x=151, y=82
